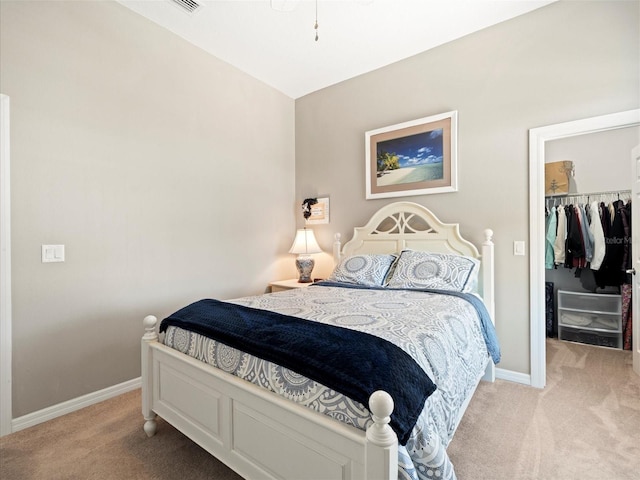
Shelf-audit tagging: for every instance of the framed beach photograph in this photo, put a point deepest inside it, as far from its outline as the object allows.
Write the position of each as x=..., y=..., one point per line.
x=418, y=157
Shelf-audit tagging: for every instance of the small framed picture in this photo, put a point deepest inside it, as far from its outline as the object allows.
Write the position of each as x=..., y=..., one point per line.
x=418, y=157
x=319, y=212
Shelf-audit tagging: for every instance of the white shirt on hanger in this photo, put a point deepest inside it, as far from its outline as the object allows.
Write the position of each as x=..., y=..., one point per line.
x=599, y=245
x=561, y=236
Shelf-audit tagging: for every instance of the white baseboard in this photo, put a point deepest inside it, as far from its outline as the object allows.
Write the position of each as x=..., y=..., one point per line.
x=511, y=376
x=74, y=404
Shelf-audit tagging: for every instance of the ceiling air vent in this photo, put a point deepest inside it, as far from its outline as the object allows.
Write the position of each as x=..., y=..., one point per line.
x=189, y=6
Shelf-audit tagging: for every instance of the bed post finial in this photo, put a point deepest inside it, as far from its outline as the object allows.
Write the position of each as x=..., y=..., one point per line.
x=488, y=236
x=149, y=323
x=381, y=406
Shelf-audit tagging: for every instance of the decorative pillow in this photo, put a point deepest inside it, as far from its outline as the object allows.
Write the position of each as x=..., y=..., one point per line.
x=440, y=271
x=366, y=270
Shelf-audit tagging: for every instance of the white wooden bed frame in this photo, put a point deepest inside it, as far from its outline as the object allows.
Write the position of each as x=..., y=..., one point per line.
x=261, y=435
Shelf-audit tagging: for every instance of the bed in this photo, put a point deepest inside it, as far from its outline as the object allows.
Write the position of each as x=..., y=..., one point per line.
x=264, y=419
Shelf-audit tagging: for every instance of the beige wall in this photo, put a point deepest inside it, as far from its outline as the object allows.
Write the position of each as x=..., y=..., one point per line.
x=166, y=173
x=566, y=61
x=600, y=160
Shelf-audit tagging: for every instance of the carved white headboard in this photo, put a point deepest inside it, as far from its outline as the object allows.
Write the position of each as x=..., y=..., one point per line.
x=407, y=225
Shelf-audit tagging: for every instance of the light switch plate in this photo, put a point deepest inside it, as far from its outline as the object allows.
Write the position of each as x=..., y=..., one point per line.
x=52, y=253
x=518, y=247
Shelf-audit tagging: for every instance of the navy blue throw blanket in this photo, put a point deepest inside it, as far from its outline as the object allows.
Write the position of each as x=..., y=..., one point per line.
x=353, y=363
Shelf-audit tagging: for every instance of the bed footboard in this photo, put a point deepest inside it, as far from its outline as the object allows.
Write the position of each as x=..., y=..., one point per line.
x=255, y=432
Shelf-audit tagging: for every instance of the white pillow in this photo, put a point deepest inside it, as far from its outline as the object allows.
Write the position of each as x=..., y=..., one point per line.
x=367, y=270
x=441, y=271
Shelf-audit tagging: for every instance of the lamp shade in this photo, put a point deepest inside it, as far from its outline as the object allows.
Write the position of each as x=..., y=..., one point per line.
x=305, y=242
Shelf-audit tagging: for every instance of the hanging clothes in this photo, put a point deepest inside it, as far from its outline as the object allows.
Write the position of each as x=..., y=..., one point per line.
x=574, y=250
x=559, y=244
x=625, y=214
x=605, y=219
x=611, y=272
x=594, y=236
x=627, y=288
x=587, y=237
x=599, y=246
x=550, y=238
x=627, y=313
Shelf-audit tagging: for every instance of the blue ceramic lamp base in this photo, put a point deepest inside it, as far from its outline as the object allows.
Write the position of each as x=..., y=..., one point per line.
x=304, y=264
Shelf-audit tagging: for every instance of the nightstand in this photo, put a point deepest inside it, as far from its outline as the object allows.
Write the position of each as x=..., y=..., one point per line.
x=289, y=284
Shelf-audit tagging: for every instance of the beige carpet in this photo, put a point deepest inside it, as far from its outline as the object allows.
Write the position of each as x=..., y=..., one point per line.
x=584, y=425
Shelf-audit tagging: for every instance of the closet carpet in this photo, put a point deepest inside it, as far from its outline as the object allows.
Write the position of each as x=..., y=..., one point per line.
x=584, y=425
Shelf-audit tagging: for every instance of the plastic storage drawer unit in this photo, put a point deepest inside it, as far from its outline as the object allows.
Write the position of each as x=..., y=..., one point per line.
x=600, y=339
x=590, y=318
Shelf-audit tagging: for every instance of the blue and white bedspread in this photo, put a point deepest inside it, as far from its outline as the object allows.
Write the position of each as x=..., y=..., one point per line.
x=442, y=333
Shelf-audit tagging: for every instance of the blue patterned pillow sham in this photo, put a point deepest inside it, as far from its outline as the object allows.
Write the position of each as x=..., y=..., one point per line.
x=367, y=270
x=442, y=271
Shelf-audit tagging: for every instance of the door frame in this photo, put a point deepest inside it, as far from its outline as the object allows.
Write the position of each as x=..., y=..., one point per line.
x=537, y=140
x=5, y=272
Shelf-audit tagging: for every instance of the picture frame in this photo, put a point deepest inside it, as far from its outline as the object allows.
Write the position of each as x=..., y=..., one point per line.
x=417, y=157
x=319, y=212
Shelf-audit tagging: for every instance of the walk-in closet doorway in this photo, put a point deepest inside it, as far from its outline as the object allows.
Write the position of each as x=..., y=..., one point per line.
x=538, y=139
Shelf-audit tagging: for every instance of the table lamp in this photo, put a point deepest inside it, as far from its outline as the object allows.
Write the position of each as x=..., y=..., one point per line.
x=304, y=245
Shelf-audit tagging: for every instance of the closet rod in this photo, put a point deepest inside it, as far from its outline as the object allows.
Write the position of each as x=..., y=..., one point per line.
x=590, y=194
